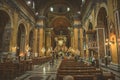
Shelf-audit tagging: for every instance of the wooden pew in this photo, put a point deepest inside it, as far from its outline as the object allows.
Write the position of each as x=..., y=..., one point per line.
x=40, y=60
x=79, y=70
x=2, y=71
x=108, y=76
x=79, y=77
x=8, y=71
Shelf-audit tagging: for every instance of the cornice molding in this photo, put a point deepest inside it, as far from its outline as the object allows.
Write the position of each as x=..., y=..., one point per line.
x=23, y=3
x=24, y=10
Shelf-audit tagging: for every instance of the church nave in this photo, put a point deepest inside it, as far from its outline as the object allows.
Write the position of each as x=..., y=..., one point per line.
x=81, y=38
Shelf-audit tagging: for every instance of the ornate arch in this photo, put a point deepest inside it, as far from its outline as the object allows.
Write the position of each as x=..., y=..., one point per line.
x=22, y=21
x=90, y=26
x=102, y=5
x=7, y=31
x=9, y=14
x=60, y=17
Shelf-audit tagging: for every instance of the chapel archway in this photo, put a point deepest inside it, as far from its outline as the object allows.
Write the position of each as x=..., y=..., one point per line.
x=5, y=31
x=30, y=46
x=103, y=32
x=21, y=41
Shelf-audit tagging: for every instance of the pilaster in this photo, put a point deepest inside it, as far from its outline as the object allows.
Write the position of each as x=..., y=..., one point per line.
x=35, y=43
x=48, y=40
x=14, y=32
x=81, y=43
x=75, y=38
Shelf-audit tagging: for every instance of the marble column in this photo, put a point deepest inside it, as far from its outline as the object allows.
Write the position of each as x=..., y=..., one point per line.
x=35, y=43
x=14, y=32
x=75, y=38
x=38, y=43
x=41, y=32
x=79, y=39
x=72, y=40
x=101, y=42
x=87, y=50
x=71, y=36
x=115, y=64
x=81, y=43
x=48, y=40
x=41, y=41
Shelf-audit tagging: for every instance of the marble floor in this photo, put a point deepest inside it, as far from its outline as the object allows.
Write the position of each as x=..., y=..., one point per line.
x=45, y=71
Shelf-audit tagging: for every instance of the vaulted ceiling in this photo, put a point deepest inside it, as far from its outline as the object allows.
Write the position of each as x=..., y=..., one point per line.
x=43, y=4
x=61, y=17
x=58, y=24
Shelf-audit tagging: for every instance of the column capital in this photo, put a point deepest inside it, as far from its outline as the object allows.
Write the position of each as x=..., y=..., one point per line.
x=39, y=26
x=70, y=28
x=77, y=26
x=48, y=29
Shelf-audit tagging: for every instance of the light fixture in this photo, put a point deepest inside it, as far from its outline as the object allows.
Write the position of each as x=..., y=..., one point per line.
x=109, y=42
x=36, y=13
x=83, y=1
x=79, y=12
x=112, y=41
x=43, y=50
x=21, y=54
x=68, y=9
x=14, y=49
x=28, y=2
x=51, y=9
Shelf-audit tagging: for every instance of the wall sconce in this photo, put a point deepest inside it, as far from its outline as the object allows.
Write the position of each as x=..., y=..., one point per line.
x=109, y=42
x=28, y=2
x=28, y=48
x=21, y=54
x=14, y=49
x=43, y=50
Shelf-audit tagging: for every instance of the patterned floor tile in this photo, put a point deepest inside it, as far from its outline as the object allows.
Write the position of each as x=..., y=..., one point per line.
x=41, y=72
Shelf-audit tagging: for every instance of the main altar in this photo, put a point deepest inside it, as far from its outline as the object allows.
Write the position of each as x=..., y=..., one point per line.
x=61, y=47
